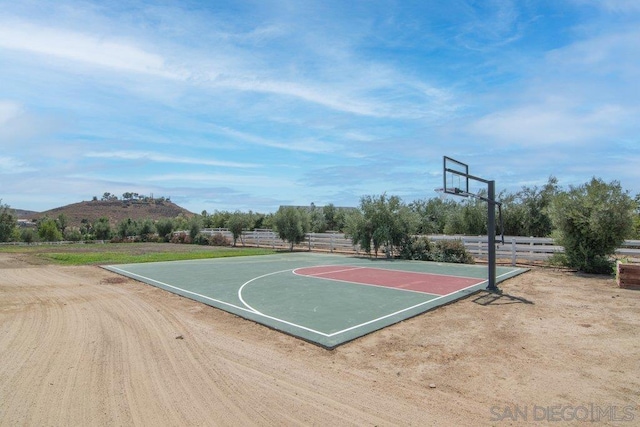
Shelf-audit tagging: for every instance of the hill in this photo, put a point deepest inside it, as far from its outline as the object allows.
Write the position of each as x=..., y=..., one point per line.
x=115, y=210
x=21, y=213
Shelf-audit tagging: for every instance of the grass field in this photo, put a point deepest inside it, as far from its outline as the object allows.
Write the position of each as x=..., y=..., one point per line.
x=126, y=253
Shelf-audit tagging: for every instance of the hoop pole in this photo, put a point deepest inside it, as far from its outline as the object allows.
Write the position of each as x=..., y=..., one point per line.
x=491, y=235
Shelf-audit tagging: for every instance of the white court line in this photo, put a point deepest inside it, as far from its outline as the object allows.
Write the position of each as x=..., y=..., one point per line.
x=364, y=284
x=249, y=281
x=144, y=278
x=408, y=308
x=253, y=311
x=401, y=311
x=473, y=267
x=351, y=268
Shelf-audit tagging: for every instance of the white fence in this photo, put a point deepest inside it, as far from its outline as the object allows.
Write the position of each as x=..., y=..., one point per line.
x=516, y=249
x=330, y=242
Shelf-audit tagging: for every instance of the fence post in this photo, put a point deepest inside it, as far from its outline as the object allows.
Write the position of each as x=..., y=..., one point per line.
x=531, y=245
x=513, y=251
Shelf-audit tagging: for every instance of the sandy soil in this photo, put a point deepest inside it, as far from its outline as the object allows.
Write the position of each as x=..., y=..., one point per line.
x=83, y=346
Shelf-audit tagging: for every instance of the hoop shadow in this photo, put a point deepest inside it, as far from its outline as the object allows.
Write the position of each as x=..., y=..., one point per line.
x=498, y=298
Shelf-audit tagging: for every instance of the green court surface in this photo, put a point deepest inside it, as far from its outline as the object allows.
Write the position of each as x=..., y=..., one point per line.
x=324, y=299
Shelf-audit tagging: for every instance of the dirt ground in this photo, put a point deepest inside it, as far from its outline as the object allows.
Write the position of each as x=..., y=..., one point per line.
x=83, y=346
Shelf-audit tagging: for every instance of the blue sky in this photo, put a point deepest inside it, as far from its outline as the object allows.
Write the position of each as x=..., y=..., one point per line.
x=248, y=105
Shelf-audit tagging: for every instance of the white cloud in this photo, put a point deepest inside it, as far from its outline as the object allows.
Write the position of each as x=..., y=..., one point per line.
x=614, y=52
x=10, y=165
x=87, y=48
x=198, y=179
x=543, y=125
x=351, y=85
x=165, y=158
x=301, y=146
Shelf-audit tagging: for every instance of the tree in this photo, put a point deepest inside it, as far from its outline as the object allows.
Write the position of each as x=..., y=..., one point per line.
x=195, y=225
x=591, y=221
x=474, y=214
x=359, y=230
x=291, y=224
x=432, y=214
x=330, y=216
x=128, y=228
x=48, y=230
x=317, y=219
x=164, y=227
x=536, y=202
x=180, y=223
x=8, y=222
x=102, y=228
x=384, y=222
x=256, y=220
x=147, y=229
x=513, y=215
x=218, y=219
x=62, y=221
x=236, y=223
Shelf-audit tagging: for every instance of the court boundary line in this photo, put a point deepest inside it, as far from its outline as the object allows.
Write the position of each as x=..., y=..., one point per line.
x=473, y=266
x=286, y=322
x=412, y=307
x=295, y=325
x=380, y=286
x=351, y=268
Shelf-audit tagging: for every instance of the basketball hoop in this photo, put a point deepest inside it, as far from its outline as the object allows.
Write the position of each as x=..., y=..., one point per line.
x=455, y=172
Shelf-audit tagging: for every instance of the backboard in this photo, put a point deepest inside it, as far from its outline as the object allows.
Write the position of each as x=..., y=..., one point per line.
x=456, y=177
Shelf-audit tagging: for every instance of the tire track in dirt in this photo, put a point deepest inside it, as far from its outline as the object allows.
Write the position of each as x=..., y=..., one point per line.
x=79, y=349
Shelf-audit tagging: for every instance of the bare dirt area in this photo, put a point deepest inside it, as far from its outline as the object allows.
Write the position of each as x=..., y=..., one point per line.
x=83, y=346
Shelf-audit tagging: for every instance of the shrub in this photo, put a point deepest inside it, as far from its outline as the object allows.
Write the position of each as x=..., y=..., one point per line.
x=28, y=235
x=218, y=239
x=452, y=251
x=181, y=238
x=72, y=234
x=7, y=222
x=201, y=239
x=417, y=248
x=422, y=249
x=591, y=222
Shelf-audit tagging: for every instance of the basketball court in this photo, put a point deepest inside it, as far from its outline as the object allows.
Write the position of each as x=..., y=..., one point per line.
x=324, y=299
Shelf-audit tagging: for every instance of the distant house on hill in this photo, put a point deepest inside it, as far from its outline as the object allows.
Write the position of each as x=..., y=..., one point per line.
x=24, y=223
